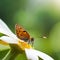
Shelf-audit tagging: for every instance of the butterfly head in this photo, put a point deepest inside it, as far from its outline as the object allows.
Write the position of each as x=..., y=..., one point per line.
x=32, y=39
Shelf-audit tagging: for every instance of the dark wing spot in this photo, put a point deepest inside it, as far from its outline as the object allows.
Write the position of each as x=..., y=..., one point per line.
x=24, y=31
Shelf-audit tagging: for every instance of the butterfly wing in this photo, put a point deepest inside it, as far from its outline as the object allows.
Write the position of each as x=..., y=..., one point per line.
x=21, y=33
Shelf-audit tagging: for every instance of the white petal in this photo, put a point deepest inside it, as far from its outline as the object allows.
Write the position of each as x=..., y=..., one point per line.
x=43, y=55
x=5, y=30
x=8, y=40
x=31, y=55
x=32, y=52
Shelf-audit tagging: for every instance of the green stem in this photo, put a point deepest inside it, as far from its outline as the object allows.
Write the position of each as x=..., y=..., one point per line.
x=11, y=54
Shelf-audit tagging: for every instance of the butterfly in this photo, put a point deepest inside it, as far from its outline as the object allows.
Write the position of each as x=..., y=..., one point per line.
x=23, y=34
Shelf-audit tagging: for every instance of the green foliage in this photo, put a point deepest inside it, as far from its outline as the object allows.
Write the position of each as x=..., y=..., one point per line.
x=19, y=57
x=3, y=53
x=1, y=34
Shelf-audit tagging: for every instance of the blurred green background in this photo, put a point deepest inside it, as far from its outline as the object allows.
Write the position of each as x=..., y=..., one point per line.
x=39, y=18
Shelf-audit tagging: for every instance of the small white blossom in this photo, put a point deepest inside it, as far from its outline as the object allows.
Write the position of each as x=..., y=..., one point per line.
x=11, y=38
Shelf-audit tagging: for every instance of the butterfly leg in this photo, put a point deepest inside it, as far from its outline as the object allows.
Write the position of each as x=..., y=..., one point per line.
x=31, y=41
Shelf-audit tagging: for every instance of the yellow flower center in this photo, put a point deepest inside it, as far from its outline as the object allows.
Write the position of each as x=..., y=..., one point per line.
x=24, y=45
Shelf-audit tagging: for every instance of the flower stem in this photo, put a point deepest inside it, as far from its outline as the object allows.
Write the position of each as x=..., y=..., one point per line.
x=11, y=54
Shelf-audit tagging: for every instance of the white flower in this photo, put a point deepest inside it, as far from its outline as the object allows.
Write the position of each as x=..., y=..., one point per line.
x=11, y=38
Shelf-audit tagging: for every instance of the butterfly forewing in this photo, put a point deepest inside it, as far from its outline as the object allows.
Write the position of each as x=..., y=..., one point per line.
x=21, y=33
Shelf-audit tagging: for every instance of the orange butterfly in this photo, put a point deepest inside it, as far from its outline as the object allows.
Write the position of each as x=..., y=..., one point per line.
x=23, y=34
